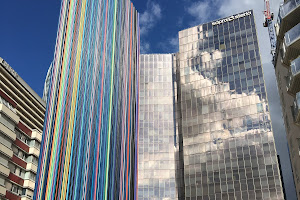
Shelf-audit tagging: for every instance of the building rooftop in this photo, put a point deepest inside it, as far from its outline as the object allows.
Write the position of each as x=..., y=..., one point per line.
x=21, y=81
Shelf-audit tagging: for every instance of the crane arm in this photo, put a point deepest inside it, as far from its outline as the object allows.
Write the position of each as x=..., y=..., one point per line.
x=269, y=23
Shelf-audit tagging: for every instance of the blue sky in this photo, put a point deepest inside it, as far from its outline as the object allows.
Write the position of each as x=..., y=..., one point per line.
x=27, y=37
x=28, y=34
x=28, y=29
x=161, y=21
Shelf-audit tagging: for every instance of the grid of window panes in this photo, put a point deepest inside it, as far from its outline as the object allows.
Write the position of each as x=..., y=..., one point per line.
x=156, y=129
x=228, y=144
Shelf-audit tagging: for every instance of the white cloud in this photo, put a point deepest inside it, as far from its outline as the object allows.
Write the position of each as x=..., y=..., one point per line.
x=199, y=10
x=202, y=11
x=149, y=18
x=169, y=45
x=145, y=47
x=233, y=110
x=174, y=42
x=229, y=7
x=180, y=21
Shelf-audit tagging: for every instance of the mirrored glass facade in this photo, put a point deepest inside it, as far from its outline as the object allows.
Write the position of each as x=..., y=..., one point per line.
x=228, y=145
x=157, y=148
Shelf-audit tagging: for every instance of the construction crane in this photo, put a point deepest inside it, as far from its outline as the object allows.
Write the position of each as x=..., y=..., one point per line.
x=269, y=23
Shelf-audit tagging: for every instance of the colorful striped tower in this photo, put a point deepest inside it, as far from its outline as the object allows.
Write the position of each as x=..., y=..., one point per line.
x=89, y=145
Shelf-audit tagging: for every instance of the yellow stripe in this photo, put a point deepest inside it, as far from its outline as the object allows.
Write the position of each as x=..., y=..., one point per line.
x=58, y=115
x=73, y=104
x=52, y=107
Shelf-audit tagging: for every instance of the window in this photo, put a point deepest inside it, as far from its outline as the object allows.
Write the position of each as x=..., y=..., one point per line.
x=32, y=159
x=19, y=172
x=34, y=143
x=260, y=107
x=5, y=141
x=16, y=189
x=30, y=175
x=2, y=180
x=7, y=104
x=21, y=136
x=18, y=152
x=6, y=121
x=28, y=193
x=3, y=160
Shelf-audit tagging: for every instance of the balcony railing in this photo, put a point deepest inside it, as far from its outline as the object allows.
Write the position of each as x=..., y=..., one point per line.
x=295, y=66
x=287, y=8
x=35, y=144
x=295, y=109
x=7, y=104
x=288, y=16
x=293, y=82
x=291, y=45
x=292, y=35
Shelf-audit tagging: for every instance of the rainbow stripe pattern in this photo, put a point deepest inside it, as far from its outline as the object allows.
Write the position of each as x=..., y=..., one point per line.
x=90, y=136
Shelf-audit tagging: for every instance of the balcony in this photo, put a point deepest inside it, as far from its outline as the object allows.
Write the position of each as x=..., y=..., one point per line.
x=25, y=198
x=293, y=82
x=12, y=196
x=4, y=170
x=24, y=129
x=9, y=113
x=22, y=144
x=2, y=190
x=36, y=135
x=8, y=103
x=29, y=184
x=16, y=179
x=6, y=151
x=15, y=159
x=296, y=109
x=34, y=151
x=34, y=148
x=31, y=167
x=291, y=45
x=9, y=133
x=287, y=16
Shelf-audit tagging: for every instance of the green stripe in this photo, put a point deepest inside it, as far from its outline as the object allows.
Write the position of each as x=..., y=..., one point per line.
x=110, y=100
x=54, y=148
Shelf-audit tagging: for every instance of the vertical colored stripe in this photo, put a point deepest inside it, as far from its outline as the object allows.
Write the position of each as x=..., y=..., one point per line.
x=101, y=100
x=130, y=61
x=111, y=96
x=90, y=134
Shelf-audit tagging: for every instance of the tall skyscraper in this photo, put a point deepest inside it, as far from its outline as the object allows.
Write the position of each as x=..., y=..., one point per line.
x=228, y=143
x=287, y=67
x=89, y=143
x=22, y=114
x=157, y=143
x=222, y=139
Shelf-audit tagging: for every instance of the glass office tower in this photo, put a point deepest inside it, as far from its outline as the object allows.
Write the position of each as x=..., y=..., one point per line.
x=89, y=143
x=157, y=144
x=228, y=145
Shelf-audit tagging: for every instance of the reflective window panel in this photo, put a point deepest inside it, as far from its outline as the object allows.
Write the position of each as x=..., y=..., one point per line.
x=228, y=145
